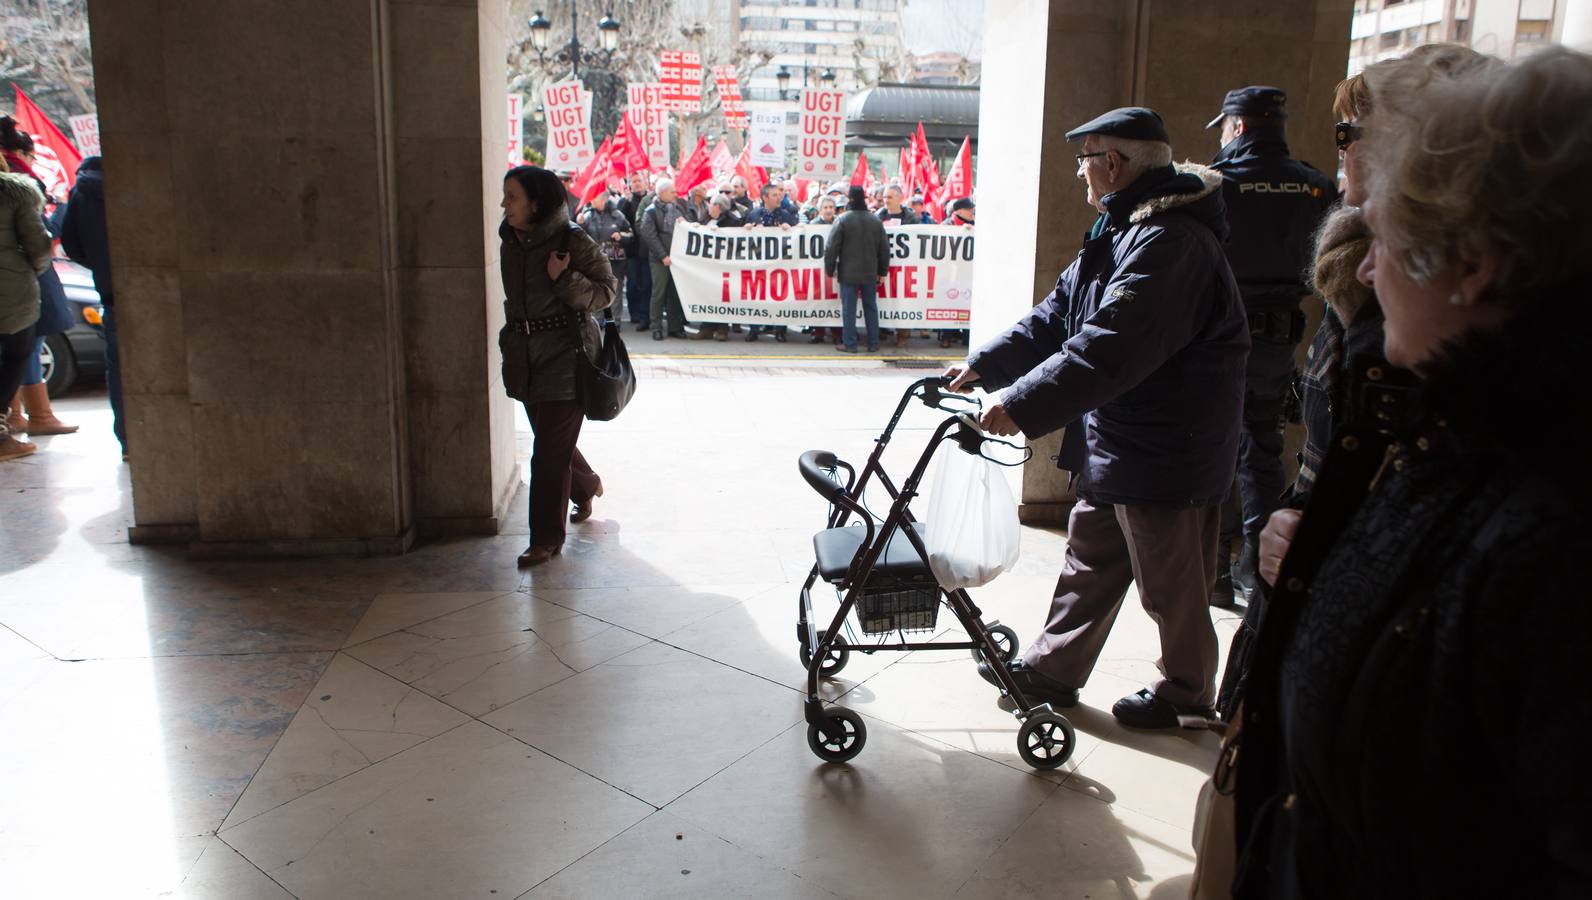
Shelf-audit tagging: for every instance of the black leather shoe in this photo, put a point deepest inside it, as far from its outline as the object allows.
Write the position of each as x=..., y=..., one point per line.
x=1036, y=687
x=779, y=337
x=1222, y=590
x=1145, y=710
x=657, y=335
x=751, y=337
x=1245, y=571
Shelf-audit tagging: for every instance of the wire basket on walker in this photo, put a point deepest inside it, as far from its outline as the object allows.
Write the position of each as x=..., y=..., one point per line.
x=880, y=569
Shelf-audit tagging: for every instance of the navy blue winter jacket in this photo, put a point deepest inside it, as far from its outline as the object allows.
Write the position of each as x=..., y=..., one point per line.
x=83, y=233
x=1139, y=351
x=1275, y=203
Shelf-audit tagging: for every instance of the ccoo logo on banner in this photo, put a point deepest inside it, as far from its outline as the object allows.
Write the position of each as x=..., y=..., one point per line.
x=770, y=276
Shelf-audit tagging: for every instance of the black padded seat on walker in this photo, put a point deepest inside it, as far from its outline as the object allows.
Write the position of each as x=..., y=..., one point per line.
x=835, y=548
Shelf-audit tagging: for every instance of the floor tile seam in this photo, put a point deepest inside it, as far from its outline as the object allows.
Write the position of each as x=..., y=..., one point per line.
x=496, y=595
x=220, y=832
x=574, y=862
x=251, y=864
x=973, y=870
x=30, y=642
x=228, y=655
x=553, y=756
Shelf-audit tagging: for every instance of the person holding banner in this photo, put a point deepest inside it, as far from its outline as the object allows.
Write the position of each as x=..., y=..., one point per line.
x=858, y=257
x=554, y=278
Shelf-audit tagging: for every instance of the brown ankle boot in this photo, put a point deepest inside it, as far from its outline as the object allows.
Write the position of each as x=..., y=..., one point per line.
x=41, y=418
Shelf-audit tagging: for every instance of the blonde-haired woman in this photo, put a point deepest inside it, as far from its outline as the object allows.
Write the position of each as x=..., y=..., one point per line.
x=1414, y=722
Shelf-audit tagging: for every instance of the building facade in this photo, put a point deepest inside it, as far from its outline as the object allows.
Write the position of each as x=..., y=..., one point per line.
x=1504, y=28
x=860, y=42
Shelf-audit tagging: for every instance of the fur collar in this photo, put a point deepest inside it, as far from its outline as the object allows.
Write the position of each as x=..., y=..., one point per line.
x=1210, y=179
x=20, y=190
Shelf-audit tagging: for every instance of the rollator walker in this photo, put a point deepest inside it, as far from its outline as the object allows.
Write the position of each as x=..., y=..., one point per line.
x=879, y=568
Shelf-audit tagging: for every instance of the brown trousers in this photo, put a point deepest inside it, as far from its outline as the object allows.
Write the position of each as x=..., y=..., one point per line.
x=559, y=473
x=1169, y=553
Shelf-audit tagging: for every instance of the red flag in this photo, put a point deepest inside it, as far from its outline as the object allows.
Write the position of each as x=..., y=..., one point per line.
x=959, y=181
x=909, y=172
x=928, y=169
x=593, y=179
x=694, y=169
x=630, y=153
x=756, y=176
x=722, y=161
x=46, y=136
x=804, y=189
x=860, y=176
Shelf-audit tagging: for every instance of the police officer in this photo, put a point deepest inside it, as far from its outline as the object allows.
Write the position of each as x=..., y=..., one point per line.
x=1274, y=205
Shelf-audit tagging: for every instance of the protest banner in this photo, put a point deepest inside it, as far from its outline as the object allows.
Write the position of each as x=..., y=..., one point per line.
x=767, y=138
x=85, y=133
x=771, y=276
x=722, y=161
x=680, y=72
x=58, y=159
x=651, y=120
x=569, y=146
x=730, y=101
x=821, y=137
x=516, y=130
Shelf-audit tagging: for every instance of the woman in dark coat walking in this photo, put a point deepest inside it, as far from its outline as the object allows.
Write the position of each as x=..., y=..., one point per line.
x=1414, y=721
x=554, y=277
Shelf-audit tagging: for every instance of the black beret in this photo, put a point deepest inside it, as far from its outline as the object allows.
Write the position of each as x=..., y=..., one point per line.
x=1257, y=101
x=964, y=203
x=1134, y=123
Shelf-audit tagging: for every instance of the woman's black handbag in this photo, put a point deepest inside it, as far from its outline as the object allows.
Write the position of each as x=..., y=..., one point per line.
x=605, y=386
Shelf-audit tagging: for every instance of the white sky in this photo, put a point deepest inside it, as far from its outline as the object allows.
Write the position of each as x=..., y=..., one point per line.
x=955, y=25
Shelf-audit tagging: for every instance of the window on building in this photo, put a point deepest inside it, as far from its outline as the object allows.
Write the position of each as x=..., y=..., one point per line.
x=1532, y=30
x=1387, y=40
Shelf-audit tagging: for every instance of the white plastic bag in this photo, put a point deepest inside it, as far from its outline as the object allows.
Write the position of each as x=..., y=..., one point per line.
x=972, y=521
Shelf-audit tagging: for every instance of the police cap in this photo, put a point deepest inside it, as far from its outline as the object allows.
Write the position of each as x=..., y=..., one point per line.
x=1134, y=123
x=1256, y=101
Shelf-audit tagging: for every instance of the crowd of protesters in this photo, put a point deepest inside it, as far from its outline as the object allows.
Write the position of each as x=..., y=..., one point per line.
x=635, y=228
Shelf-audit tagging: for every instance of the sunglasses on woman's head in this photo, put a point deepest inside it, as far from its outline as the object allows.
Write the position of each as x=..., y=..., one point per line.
x=1347, y=133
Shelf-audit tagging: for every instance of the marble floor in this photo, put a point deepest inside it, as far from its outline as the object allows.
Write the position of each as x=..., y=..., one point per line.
x=624, y=722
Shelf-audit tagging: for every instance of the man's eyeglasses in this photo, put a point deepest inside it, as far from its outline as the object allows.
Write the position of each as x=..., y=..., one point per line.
x=1080, y=157
x=1346, y=134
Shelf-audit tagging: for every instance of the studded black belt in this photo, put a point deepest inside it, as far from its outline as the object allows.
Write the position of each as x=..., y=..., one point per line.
x=546, y=323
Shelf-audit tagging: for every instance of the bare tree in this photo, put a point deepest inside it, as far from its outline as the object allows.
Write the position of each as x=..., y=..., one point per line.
x=44, y=48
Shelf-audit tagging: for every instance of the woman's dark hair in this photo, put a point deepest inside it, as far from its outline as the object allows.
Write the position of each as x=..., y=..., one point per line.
x=543, y=188
x=857, y=198
x=13, y=138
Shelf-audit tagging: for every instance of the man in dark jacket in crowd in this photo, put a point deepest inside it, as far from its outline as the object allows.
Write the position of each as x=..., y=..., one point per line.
x=1275, y=203
x=857, y=256
x=657, y=232
x=86, y=242
x=638, y=275
x=1139, y=354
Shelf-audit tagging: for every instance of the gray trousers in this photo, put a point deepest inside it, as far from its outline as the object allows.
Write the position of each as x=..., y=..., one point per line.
x=665, y=297
x=1168, y=552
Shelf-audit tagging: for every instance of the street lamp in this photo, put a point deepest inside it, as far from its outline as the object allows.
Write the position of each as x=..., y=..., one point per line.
x=783, y=77
x=607, y=32
x=827, y=77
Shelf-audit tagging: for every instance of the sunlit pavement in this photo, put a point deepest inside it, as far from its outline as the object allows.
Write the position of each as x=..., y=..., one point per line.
x=622, y=722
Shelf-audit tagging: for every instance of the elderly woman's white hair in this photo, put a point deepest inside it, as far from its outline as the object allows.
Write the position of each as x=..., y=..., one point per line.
x=1491, y=165
x=663, y=184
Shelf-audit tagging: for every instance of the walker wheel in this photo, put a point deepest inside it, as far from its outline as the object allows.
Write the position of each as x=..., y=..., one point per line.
x=1046, y=740
x=839, y=737
x=839, y=654
x=1005, y=641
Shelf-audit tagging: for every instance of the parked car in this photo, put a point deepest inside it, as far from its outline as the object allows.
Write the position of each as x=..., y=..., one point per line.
x=77, y=354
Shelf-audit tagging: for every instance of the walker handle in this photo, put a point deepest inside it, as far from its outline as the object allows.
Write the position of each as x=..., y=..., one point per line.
x=812, y=465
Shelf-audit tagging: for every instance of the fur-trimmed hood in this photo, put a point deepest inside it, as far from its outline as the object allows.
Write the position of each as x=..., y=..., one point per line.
x=1185, y=187
x=19, y=190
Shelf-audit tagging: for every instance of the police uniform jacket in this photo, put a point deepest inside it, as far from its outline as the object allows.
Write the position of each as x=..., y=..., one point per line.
x=1275, y=203
x=1139, y=350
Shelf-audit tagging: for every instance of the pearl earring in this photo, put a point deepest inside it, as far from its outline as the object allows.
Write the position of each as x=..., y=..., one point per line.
x=1458, y=299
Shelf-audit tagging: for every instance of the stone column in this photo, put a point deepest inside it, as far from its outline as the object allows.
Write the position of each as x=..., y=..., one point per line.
x=305, y=322
x=1061, y=63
